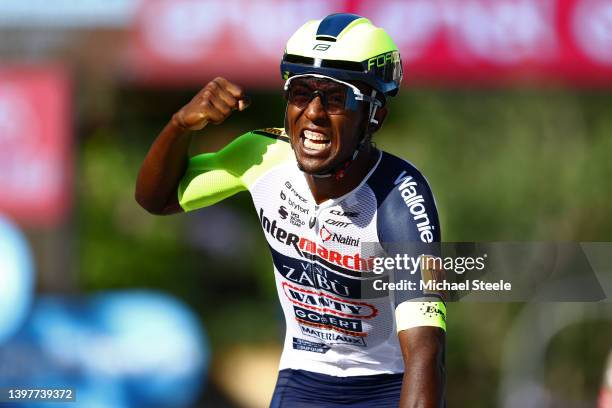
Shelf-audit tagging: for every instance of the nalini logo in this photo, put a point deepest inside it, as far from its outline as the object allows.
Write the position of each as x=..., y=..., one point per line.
x=325, y=234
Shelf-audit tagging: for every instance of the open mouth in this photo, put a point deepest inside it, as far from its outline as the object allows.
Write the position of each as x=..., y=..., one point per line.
x=315, y=140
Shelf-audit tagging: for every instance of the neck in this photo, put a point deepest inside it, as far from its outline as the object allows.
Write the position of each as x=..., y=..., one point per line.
x=325, y=188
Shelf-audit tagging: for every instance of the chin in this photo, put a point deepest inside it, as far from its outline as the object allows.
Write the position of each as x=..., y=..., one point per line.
x=316, y=164
x=313, y=166
x=309, y=168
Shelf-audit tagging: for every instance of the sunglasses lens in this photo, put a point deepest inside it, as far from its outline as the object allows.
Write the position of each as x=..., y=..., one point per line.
x=303, y=90
x=300, y=94
x=336, y=100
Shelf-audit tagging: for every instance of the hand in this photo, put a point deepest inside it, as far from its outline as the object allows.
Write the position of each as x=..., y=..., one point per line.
x=214, y=103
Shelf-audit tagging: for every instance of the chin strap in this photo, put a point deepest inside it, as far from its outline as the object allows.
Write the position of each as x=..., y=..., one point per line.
x=340, y=171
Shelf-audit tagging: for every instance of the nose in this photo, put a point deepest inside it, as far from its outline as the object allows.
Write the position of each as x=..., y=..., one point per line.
x=315, y=109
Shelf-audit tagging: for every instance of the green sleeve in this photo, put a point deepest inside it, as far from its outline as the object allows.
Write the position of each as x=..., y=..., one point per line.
x=212, y=177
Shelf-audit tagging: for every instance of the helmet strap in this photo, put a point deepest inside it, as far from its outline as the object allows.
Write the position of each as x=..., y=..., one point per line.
x=374, y=104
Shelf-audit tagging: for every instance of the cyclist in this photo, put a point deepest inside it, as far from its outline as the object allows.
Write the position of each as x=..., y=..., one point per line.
x=322, y=190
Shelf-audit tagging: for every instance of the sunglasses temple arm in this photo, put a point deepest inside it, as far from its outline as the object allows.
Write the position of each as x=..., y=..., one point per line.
x=374, y=104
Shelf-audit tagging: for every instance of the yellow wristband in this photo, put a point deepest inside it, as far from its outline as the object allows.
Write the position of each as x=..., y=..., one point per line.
x=413, y=314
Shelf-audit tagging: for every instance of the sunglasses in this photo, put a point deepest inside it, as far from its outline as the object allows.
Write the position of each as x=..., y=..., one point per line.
x=336, y=96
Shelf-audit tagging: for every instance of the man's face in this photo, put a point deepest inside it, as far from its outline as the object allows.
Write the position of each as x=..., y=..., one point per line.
x=322, y=135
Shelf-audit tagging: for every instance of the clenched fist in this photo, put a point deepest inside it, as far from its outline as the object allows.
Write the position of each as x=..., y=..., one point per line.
x=214, y=103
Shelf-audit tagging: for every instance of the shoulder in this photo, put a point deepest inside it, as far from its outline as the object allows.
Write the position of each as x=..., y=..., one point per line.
x=258, y=152
x=270, y=145
x=261, y=138
x=252, y=146
x=248, y=156
x=406, y=206
x=394, y=174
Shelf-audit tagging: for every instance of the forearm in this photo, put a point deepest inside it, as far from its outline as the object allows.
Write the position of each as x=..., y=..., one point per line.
x=423, y=350
x=163, y=168
x=166, y=162
x=423, y=383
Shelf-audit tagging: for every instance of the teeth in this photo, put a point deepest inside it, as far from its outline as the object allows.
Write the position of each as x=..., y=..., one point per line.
x=315, y=140
x=315, y=136
x=314, y=146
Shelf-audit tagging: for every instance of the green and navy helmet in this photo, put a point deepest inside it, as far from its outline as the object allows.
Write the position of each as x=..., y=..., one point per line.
x=347, y=47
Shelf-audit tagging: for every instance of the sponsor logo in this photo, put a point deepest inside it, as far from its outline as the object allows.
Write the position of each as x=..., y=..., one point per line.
x=325, y=234
x=328, y=304
x=433, y=310
x=295, y=193
x=296, y=220
x=415, y=203
x=305, y=246
x=383, y=59
x=295, y=205
x=321, y=47
x=295, y=217
x=279, y=233
x=330, y=322
x=354, y=262
x=332, y=337
x=348, y=214
x=275, y=131
x=336, y=223
x=339, y=238
x=313, y=276
x=305, y=345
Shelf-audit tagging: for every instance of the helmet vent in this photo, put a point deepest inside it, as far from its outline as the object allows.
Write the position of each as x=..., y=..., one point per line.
x=326, y=38
x=347, y=65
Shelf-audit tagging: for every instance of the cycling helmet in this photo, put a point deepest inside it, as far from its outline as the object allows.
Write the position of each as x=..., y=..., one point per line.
x=347, y=47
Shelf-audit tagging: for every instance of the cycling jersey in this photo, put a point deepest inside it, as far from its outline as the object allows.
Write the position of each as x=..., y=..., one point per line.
x=337, y=323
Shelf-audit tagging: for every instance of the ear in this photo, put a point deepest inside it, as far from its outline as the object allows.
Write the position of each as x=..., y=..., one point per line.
x=379, y=116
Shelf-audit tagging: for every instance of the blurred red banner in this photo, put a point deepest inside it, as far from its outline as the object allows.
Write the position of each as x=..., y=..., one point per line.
x=482, y=42
x=35, y=144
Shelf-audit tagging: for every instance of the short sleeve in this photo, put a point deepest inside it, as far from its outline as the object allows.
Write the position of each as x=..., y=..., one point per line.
x=212, y=177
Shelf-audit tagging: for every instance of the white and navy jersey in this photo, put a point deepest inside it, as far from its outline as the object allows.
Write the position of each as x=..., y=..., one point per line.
x=337, y=322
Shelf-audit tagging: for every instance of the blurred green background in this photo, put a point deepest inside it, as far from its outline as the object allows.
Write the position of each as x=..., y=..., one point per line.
x=504, y=165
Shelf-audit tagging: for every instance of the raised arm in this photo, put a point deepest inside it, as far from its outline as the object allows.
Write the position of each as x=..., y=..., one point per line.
x=166, y=162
